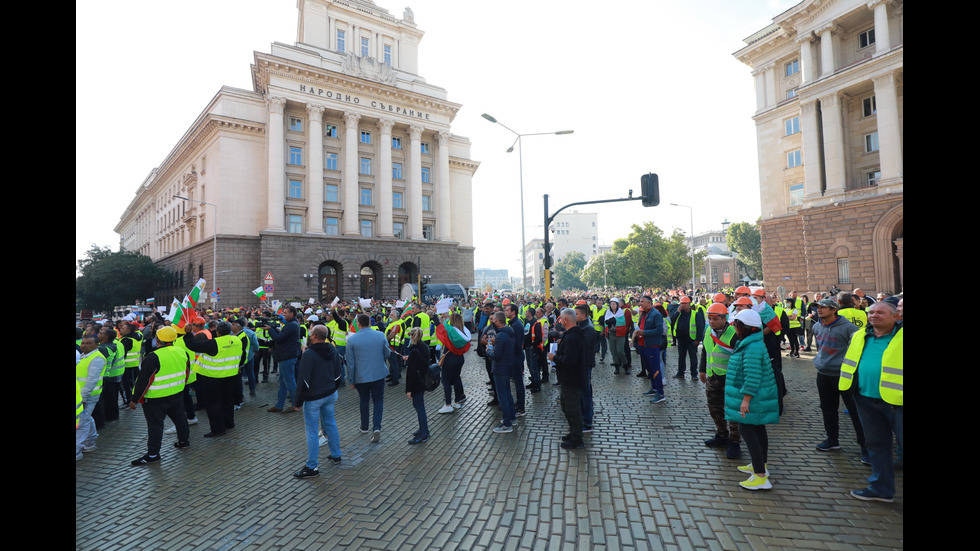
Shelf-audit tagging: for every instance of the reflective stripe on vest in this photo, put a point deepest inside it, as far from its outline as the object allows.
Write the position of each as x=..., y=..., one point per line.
x=81, y=372
x=693, y=323
x=891, y=385
x=170, y=379
x=133, y=356
x=179, y=343
x=717, y=355
x=225, y=363
x=118, y=360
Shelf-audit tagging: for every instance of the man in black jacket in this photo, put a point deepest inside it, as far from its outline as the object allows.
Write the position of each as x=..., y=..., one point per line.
x=316, y=387
x=286, y=351
x=572, y=371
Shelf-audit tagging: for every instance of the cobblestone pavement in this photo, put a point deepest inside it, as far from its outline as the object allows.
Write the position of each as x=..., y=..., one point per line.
x=645, y=481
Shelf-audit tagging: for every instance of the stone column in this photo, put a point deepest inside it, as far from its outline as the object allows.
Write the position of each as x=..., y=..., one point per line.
x=383, y=178
x=276, y=148
x=813, y=161
x=889, y=131
x=770, y=70
x=352, y=167
x=444, y=218
x=415, y=183
x=808, y=68
x=760, y=89
x=827, y=64
x=882, y=39
x=314, y=170
x=833, y=143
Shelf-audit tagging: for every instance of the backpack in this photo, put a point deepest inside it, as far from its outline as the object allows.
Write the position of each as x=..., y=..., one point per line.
x=433, y=377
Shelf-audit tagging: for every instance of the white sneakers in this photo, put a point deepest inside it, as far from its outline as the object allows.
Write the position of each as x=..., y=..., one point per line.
x=446, y=409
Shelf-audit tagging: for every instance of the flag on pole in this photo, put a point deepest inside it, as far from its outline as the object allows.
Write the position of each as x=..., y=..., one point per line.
x=455, y=340
x=151, y=300
x=195, y=295
x=277, y=306
x=176, y=314
x=260, y=292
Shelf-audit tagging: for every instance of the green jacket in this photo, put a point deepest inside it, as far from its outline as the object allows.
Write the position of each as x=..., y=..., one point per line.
x=750, y=372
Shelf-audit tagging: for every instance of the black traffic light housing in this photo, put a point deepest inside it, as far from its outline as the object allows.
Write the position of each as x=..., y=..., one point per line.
x=650, y=189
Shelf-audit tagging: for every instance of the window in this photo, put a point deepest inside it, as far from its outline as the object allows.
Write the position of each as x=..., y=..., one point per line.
x=387, y=55
x=295, y=189
x=295, y=155
x=796, y=195
x=792, y=93
x=870, y=106
x=866, y=38
x=399, y=230
x=427, y=232
x=367, y=228
x=792, y=126
x=843, y=271
x=793, y=67
x=872, y=178
x=365, y=166
x=794, y=158
x=871, y=142
x=425, y=175
x=330, y=131
x=366, y=196
x=295, y=223
x=396, y=171
x=296, y=124
x=396, y=143
x=426, y=203
x=396, y=200
x=365, y=137
x=330, y=161
x=331, y=226
x=341, y=40
x=365, y=47
x=425, y=148
x=333, y=194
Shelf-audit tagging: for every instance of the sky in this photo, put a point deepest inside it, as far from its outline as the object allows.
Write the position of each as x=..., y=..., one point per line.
x=646, y=86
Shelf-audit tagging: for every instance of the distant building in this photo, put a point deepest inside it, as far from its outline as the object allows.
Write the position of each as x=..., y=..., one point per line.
x=496, y=279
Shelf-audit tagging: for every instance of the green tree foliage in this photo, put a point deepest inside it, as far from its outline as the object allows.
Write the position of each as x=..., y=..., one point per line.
x=645, y=258
x=743, y=238
x=568, y=271
x=605, y=269
x=115, y=278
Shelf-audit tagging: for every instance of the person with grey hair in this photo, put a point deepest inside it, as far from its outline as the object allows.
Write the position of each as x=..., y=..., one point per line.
x=573, y=377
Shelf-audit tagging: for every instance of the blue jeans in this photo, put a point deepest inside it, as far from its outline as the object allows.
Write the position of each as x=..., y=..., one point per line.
x=395, y=366
x=879, y=420
x=287, y=381
x=374, y=392
x=531, y=354
x=650, y=357
x=507, y=411
x=320, y=412
x=518, y=378
x=249, y=369
x=600, y=345
x=418, y=400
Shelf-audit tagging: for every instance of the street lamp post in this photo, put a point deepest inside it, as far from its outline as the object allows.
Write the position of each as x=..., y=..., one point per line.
x=693, y=283
x=214, y=256
x=520, y=154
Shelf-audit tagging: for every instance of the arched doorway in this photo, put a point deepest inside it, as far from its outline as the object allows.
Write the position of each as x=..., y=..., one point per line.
x=329, y=281
x=887, y=239
x=370, y=281
x=407, y=273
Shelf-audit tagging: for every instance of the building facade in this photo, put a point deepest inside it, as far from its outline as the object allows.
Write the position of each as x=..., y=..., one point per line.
x=720, y=269
x=829, y=82
x=337, y=173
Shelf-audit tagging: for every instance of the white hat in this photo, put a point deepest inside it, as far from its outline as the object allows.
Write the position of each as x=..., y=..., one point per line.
x=313, y=318
x=749, y=317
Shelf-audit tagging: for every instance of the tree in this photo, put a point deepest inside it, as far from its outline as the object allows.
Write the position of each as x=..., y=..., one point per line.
x=114, y=278
x=744, y=239
x=568, y=269
x=605, y=269
x=650, y=259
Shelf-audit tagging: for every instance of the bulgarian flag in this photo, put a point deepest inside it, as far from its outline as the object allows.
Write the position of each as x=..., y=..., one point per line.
x=260, y=292
x=176, y=314
x=453, y=339
x=195, y=295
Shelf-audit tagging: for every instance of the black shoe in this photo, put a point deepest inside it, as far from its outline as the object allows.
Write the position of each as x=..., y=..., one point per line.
x=734, y=450
x=617, y=370
x=145, y=460
x=306, y=472
x=566, y=438
x=642, y=374
x=529, y=385
x=181, y=445
x=334, y=459
x=494, y=402
x=535, y=389
x=716, y=442
x=393, y=383
x=418, y=439
x=212, y=434
x=679, y=376
x=571, y=445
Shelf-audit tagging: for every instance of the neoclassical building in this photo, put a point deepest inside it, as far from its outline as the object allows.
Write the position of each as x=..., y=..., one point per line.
x=337, y=173
x=829, y=83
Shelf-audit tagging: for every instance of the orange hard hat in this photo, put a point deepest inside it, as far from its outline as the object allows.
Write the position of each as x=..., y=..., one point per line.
x=719, y=297
x=744, y=301
x=743, y=290
x=718, y=308
x=581, y=303
x=505, y=302
x=760, y=292
x=685, y=300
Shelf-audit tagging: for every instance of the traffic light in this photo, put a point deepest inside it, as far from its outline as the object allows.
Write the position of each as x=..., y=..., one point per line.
x=650, y=189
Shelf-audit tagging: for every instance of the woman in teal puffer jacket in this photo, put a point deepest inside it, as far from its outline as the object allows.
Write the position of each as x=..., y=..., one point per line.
x=751, y=398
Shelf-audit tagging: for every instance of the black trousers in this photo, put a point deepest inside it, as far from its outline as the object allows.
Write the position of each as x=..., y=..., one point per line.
x=219, y=396
x=155, y=410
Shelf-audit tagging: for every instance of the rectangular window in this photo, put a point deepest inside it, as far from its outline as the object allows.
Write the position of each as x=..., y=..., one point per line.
x=365, y=137
x=295, y=155
x=365, y=166
x=870, y=106
x=425, y=175
x=330, y=161
x=332, y=194
x=341, y=41
x=872, y=178
x=330, y=131
x=427, y=203
x=843, y=271
x=396, y=143
x=871, y=142
x=367, y=228
x=366, y=196
x=794, y=158
x=427, y=232
x=365, y=47
x=425, y=148
x=792, y=93
x=331, y=226
x=295, y=223
x=396, y=171
x=296, y=124
x=295, y=189
x=387, y=55
x=796, y=195
x=399, y=230
x=792, y=126
x=396, y=200
x=866, y=38
x=793, y=67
